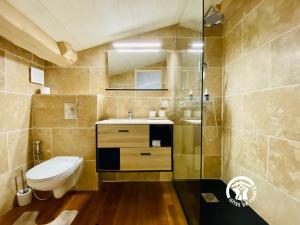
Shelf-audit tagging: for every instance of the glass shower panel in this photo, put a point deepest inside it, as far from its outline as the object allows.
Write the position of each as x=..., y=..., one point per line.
x=187, y=110
x=187, y=128
x=188, y=89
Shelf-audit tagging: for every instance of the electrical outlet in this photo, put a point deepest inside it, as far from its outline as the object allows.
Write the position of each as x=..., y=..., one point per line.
x=70, y=111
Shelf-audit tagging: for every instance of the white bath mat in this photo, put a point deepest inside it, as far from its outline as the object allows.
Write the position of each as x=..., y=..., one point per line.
x=66, y=217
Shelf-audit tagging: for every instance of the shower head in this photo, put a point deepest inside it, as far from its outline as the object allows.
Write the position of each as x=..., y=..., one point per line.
x=213, y=17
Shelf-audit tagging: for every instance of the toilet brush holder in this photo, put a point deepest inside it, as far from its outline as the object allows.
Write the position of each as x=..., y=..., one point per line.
x=24, y=196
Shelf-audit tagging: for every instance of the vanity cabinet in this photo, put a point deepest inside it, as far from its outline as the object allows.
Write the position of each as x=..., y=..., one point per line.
x=145, y=159
x=134, y=147
x=110, y=136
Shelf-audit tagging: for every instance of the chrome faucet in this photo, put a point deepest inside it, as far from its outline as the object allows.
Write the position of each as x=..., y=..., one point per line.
x=130, y=115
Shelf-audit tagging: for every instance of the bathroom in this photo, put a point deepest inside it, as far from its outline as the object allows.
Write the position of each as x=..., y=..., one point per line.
x=124, y=112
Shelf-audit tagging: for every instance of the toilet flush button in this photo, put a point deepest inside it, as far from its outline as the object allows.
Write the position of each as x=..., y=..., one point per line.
x=70, y=111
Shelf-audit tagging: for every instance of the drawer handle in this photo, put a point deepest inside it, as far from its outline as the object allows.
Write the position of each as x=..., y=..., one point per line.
x=123, y=131
x=145, y=153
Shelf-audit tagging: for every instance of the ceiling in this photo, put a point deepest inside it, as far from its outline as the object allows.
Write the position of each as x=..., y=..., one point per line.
x=87, y=23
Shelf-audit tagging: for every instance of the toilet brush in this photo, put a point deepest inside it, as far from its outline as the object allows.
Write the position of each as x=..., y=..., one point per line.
x=23, y=182
x=16, y=183
x=24, y=195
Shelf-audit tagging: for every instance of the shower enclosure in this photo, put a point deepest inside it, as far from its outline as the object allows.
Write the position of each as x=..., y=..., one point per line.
x=197, y=132
x=188, y=113
x=197, y=104
x=187, y=128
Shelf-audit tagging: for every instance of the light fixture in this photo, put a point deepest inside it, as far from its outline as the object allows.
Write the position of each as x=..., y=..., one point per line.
x=198, y=44
x=137, y=44
x=138, y=50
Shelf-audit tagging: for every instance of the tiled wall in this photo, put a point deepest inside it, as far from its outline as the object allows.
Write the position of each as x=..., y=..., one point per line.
x=15, y=117
x=60, y=136
x=261, y=137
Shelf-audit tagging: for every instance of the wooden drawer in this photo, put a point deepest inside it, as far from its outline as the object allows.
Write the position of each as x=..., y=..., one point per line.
x=110, y=136
x=145, y=159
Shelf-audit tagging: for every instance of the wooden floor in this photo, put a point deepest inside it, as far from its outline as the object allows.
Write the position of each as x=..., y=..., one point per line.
x=131, y=203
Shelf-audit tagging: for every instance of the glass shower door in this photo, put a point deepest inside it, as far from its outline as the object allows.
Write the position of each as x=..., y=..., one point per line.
x=187, y=128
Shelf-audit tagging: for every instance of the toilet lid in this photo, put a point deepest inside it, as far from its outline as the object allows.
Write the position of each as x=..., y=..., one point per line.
x=52, y=168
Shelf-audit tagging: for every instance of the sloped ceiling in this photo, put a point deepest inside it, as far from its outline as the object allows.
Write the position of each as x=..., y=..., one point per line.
x=87, y=23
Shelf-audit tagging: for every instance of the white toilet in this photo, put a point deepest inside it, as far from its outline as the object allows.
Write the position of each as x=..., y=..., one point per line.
x=59, y=174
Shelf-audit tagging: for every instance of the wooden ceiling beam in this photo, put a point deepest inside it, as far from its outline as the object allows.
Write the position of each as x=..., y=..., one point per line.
x=22, y=32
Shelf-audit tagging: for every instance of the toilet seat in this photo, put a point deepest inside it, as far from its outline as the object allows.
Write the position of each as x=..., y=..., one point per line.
x=54, y=168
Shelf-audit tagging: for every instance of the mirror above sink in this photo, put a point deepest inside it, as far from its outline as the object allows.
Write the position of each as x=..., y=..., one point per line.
x=140, y=65
x=137, y=70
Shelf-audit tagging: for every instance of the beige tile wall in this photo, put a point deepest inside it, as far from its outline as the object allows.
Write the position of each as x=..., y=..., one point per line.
x=60, y=136
x=15, y=117
x=261, y=119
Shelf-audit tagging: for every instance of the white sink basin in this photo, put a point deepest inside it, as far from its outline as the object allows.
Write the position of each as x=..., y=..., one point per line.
x=134, y=121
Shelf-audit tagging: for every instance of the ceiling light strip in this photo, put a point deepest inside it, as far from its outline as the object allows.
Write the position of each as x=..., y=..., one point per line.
x=137, y=44
x=138, y=50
